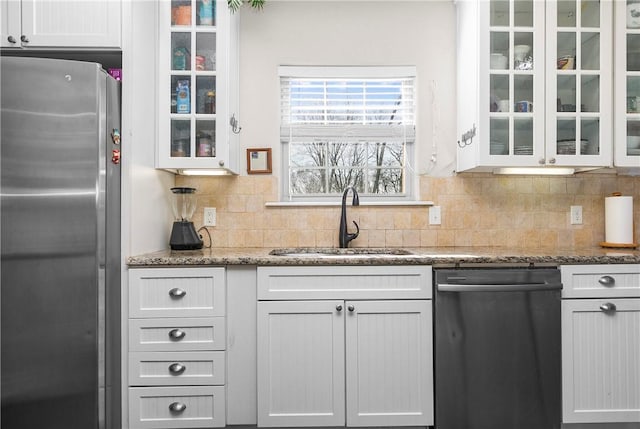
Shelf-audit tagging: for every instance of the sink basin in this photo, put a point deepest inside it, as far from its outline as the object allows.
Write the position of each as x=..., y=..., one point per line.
x=317, y=252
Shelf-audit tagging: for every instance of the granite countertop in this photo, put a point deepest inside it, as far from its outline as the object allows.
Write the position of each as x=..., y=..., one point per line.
x=409, y=256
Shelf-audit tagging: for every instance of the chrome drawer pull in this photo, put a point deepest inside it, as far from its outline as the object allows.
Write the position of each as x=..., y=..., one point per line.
x=607, y=281
x=177, y=293
x=177, y=407
x=338, y=308
x=177, y=334
x=351, y=308
x=608, y=307
x=176, y=368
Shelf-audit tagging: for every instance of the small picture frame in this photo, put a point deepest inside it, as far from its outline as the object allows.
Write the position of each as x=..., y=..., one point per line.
x=259, y=161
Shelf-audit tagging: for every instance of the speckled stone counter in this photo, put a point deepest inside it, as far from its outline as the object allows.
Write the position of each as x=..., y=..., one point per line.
x=415, y=256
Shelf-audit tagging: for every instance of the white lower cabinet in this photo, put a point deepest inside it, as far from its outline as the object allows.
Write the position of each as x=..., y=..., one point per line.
x=601, y=344
x=176, y=348
x=337, y=362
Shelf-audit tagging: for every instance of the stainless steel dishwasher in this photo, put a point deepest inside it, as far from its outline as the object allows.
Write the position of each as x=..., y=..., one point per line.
x=497, y=348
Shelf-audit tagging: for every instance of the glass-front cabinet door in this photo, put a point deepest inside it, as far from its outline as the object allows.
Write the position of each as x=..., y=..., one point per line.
x=514, y=62
x=627, y=84
x=196, y=56
x=544, y=81
x=579, y=82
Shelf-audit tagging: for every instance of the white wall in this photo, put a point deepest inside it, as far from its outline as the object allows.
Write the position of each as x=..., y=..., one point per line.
x=305, y=32
x=147, y=221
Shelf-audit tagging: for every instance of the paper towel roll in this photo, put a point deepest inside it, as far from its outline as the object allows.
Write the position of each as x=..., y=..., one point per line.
x=618, y=215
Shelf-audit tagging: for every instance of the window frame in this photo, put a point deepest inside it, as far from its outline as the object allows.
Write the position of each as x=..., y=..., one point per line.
x=350, y=72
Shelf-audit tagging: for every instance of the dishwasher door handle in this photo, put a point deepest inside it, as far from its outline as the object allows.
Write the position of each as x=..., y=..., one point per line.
x=525, y=287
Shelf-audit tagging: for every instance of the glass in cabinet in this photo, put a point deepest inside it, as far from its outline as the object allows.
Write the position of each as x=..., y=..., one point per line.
x=579, y=81
x=627, y=84
x=197, y=56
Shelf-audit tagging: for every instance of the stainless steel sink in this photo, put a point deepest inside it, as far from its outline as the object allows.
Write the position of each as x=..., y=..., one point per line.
x=333, y=252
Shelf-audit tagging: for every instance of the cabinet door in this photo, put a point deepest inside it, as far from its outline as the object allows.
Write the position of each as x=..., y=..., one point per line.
x=627, y=84
x=300, y=363
x=389, y=357
x=10, y=23
x=579, y=83
x=65, y=23
x=195, y=62
x=512, y=65
x=600, y=356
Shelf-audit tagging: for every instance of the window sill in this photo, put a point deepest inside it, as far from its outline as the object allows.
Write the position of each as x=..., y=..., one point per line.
x=338, y=203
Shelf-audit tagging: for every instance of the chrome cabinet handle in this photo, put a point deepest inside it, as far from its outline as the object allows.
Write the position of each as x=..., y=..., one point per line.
x=176, y=368
x=607, y=281
x=552, y=161
x=177, y=334
x=11, y=39
x=24, y=39
x=351, y=308
x=608, y=306
x=177, y=407
x=339, y=308
x=177, y=293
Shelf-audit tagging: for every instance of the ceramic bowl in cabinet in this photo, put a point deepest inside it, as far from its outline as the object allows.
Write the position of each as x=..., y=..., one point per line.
x=520, y=51
x=498, y=62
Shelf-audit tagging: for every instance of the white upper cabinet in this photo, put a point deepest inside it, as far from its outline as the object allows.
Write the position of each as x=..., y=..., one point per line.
x=627, y=84
x=60, y=24
x=198, y=89
x=534, y=84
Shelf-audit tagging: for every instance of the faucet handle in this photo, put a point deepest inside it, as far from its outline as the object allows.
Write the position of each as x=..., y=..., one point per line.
x=355, y=234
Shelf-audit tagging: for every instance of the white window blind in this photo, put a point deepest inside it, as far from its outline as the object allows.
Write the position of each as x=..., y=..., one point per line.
x=345, y=126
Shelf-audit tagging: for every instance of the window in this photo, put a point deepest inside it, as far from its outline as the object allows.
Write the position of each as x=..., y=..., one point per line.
x=344, y=126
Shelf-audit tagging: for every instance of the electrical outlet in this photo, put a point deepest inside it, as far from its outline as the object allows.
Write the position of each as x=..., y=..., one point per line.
x=576, y=215
x=435, y=215
x=209, y=216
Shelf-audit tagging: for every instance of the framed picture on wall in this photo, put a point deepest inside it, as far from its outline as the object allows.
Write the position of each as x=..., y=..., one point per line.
x=259, y=161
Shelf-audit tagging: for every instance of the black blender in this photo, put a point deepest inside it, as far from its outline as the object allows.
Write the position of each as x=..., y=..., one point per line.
x=183, y=233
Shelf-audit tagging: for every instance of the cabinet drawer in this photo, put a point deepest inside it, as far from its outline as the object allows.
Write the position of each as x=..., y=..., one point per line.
x=176, y=292
x=176, y=368
x=344, y=282
x=152, y=335
x=593, y=281
x=151, y=407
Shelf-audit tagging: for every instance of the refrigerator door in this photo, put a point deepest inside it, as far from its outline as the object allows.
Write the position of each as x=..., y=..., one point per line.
x=49, y=151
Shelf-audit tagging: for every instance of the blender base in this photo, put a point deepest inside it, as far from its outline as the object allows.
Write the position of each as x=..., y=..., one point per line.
x=184, y=236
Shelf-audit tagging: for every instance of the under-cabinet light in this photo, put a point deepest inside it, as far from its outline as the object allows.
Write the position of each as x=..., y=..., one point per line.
x=548, y=171
x=198, y=172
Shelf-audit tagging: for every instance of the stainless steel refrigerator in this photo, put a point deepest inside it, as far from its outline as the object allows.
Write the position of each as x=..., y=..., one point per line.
x=60, y=231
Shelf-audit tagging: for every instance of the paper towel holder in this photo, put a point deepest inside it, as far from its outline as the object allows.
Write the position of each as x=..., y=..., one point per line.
x=619, y=245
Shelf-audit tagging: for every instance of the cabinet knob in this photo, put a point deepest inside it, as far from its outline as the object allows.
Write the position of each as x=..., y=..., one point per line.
x=177, y=334
x=552, y=161
x=351, y=308
x=607, y=281
x=24, y=39
x=177, y=293
x=608, y=307
x=177, y=407
x=221, y=163
x=11, y=39
x=339, y=307
x=176, y=368
x=541, y=161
